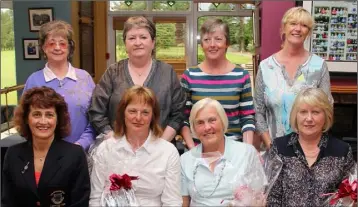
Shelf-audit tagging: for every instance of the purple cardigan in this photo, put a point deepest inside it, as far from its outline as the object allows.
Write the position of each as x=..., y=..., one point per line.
x=77, y=94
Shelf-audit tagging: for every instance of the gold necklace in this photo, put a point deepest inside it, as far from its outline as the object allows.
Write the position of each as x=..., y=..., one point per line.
x=139, y=74
x=41, y=158
x=312, y=154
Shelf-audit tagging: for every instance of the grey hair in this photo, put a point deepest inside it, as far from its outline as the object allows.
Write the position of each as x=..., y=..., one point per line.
x=203, y=103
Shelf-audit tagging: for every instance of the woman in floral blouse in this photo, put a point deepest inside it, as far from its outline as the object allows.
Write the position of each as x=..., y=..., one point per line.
x=282, y=75
x=313, y=162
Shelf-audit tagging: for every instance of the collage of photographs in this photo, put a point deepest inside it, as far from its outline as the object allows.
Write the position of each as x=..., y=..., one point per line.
x=334, y=37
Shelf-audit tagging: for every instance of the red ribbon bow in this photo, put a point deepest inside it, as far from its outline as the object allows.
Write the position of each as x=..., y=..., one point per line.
x=119, y=181
x=345, y=189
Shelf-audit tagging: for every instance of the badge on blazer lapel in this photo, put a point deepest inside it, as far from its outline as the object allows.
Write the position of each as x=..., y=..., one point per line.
x=57, y=198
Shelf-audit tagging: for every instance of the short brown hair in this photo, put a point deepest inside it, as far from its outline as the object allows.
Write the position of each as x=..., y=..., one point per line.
x=313, y=97
x=211, y=24
x=57, y=27
x=143, y=95
x=139, y=22
x=42, y=97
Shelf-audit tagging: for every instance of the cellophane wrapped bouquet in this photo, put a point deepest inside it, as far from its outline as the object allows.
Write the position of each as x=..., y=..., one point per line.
x=253, y=187
x=119, y=190
x=346, y=195
x=92, y=150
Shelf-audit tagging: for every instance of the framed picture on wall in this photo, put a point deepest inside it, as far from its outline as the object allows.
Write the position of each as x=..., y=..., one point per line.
x=38, y=17
x=31, y=49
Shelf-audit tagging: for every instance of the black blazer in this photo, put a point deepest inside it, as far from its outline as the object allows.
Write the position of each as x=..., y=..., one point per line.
x=64, y=178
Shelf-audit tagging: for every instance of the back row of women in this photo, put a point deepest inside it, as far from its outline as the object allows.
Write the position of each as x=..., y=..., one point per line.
x=131, y=120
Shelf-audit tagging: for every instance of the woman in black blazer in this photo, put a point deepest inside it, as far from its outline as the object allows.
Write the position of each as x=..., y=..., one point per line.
x=45, y=170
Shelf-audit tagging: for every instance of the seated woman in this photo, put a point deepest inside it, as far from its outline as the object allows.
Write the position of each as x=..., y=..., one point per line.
x=313, y=162
x=211, y=183
x=44, y=170
x=137, y=150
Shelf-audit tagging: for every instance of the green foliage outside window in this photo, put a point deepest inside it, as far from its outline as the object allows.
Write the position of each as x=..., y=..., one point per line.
x=164, y=6
x=7, y=30
x=8, y=70
x=120, y=6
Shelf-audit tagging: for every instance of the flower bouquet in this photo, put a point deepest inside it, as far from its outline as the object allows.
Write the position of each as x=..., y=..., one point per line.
x=119, y=192
x=272, y=164
x=346, y=194
x=249, y=188
x=253, y=187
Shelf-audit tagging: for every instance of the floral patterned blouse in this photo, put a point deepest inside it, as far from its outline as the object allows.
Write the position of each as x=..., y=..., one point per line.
x=301, y=185
x=275, y=92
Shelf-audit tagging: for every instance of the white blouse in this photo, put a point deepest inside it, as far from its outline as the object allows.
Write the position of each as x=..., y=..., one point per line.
x=156, y=163
x=239, y=165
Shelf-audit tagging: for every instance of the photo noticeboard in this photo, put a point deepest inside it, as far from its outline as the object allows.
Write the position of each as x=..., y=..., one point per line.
x=334, y=36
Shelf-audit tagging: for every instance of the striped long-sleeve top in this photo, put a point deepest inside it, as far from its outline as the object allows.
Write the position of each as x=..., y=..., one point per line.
x=232, y=90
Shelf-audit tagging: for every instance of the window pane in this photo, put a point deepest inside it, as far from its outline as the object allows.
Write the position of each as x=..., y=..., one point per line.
x=122, y=6
x=219, y=7
x=170, y=41
x=167, y=47
x=8, y=70
x=241, y=46
x=247, y=6
x=177, y=6
x=120, y=48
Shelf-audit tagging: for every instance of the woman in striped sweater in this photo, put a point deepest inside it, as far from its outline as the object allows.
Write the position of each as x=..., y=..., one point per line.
x=216, y=77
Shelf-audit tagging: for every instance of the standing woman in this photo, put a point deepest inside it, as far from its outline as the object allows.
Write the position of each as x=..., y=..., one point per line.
x=44, y=170
x=216, y=77
x=282, y=75
x=74, y=84
x=140, y=68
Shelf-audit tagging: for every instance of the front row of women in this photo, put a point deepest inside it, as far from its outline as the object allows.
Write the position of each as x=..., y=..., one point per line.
x=313, y=162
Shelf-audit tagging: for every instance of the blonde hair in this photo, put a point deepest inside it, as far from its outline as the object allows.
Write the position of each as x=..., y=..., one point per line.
x=203, y=103
x=313, y=97
x=299, y=15
x=143, y=95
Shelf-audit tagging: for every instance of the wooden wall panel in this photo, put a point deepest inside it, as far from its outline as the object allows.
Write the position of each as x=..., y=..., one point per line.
x=75, y=27
x=100, y=38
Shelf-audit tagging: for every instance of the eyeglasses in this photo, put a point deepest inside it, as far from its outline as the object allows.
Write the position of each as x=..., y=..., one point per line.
x=53, y=45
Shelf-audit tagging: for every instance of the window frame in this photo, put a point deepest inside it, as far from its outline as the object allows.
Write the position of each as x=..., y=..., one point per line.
x=191, y=16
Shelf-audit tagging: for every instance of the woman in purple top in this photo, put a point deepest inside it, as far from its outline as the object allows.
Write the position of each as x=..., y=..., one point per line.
x=75, y=85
